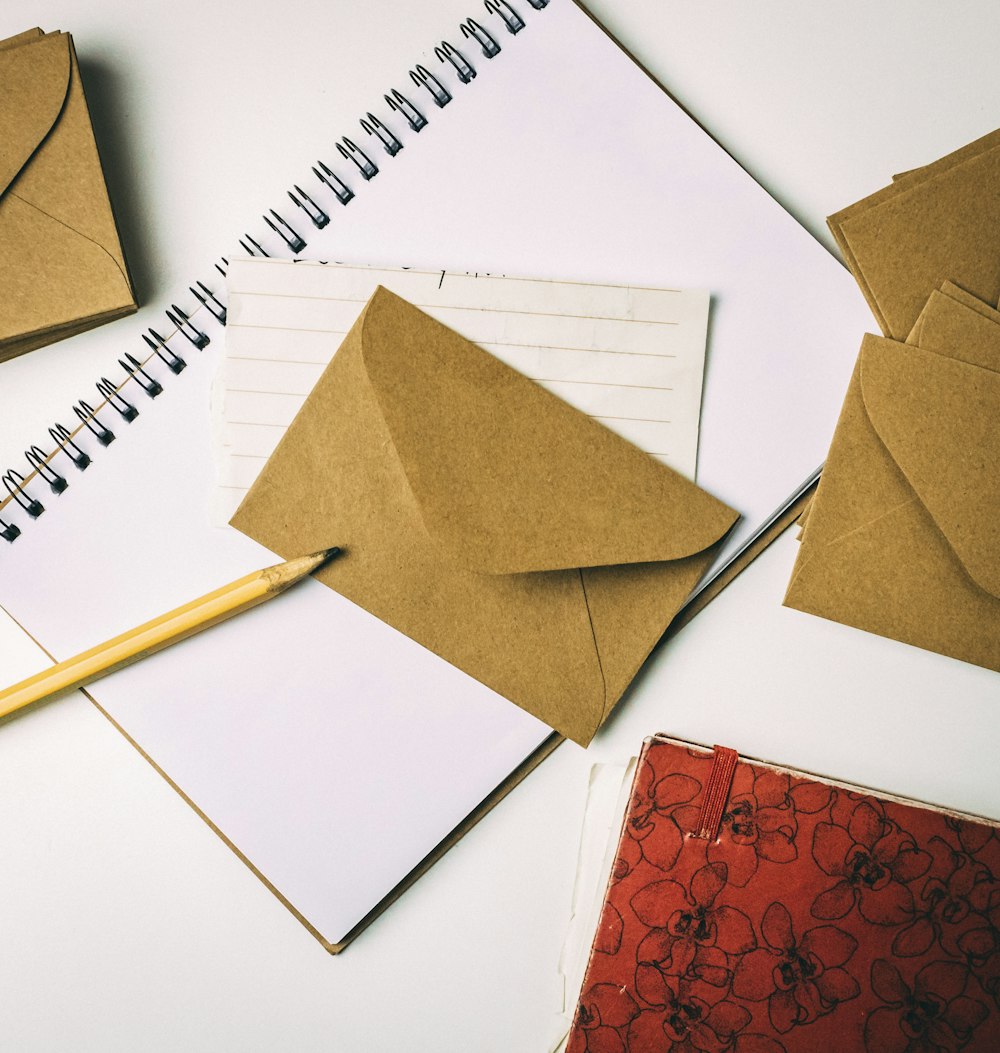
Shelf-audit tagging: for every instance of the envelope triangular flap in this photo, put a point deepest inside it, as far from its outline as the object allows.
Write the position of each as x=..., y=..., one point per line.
x=35, y=78
x=508, y=477
x=940, y=420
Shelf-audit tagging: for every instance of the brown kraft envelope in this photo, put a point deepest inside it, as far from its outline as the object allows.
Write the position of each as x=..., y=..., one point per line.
x=485, y=518
x=936, y=223
x=903, y=536
x=63, y=266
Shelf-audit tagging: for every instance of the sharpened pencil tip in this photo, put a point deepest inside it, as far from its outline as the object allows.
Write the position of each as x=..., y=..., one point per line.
x=325, y=555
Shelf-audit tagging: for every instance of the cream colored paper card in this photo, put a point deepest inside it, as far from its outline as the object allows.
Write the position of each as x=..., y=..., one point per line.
x=632, y=358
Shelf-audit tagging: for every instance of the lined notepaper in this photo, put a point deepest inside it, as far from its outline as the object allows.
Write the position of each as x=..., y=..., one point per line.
x=632, y=358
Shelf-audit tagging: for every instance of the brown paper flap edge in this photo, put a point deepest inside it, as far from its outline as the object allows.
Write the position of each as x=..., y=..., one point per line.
x=56, y=90
x=701, y=535
x=873, y=409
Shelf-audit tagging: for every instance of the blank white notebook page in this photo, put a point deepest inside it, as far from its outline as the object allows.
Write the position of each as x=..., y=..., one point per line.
x=632, y=358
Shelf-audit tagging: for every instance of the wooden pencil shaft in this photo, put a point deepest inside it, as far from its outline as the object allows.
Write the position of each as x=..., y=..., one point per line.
x=154, y=635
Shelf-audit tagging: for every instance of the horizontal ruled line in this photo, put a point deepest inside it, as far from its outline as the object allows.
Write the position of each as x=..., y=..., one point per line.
x=476, y=310
x=275, y=361
x=257, y=424
x=599, y=384
x=485, y=343
x=646, y=420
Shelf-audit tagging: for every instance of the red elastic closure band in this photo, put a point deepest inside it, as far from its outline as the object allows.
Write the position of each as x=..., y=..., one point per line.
x=716, y=792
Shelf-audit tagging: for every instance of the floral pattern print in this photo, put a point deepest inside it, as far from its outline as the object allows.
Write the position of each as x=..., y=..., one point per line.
x=760, y=820
x=801, y=979
x=931, y=1015
x=819, y=919
x=688, y=934
x=872, y=859
x=682, y=1017
x=654, y=833
x=980, y=946
x=943, y=901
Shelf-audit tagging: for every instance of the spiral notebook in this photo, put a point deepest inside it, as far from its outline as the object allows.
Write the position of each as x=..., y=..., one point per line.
x=525, y=142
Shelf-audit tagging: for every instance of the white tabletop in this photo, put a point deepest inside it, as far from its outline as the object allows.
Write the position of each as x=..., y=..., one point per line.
x=127, y=924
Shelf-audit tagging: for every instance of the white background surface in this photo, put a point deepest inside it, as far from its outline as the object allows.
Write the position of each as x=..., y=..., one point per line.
x=126, y=923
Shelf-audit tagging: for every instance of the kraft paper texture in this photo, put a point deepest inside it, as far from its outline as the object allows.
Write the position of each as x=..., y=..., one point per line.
x=903, y=536
x=63, y=265
x=485, y=518
x=932, y=224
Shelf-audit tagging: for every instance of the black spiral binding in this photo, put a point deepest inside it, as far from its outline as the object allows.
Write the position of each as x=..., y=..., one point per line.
x=374, y=127
x=424, y=79
x=309, y=207
x=364, y=164
x=44, y=468
x=511, y=19
x=446, y=53
x=399, y=103
x=472, y=30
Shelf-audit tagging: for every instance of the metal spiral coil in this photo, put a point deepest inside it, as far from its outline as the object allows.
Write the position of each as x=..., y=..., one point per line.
x=116, y=401
x=399, y=103
x=374, y=127
x=254, y=248
x=17, y=488
x=182, y=324
x=309, y=207
x=209, y=300
x=513, y=22
x=472, y=30
x=423, y=78
x=87, y=416
x=449, y=53
x=133, y=367
x=158, y=345
x=40, y=463
x=364, y=164
x=295, y=242
x=63, y=438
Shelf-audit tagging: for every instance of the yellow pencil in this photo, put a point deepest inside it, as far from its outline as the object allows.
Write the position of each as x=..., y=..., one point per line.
x=176, y=625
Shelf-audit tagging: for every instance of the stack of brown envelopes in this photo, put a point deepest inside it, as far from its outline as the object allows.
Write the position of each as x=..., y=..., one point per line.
x=934, y=224
x=62, y=263
x=903, y=535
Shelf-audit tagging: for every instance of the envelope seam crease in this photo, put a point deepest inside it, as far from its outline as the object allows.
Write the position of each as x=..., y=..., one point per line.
x=854, y=530
x=597, y=649
x=79, y=233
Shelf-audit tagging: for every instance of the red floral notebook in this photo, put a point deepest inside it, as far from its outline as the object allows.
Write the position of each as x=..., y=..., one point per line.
x=754, y=910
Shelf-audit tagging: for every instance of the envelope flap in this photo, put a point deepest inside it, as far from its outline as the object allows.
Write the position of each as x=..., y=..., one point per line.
x=938, y=417
x=510, y=478
x=35, y=79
